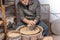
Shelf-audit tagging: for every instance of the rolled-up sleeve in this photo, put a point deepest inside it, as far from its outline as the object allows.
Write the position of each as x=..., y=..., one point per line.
x=20, y=15
x=38, y=12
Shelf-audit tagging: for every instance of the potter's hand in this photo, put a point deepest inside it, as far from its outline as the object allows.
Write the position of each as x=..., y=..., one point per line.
x=31, y=25
x=31, y=22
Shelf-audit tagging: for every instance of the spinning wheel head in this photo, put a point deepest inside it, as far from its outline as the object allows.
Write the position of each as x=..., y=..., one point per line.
x=27, y=31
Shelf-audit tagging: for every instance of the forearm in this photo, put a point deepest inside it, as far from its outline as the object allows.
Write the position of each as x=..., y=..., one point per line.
x=26, y=21
x=35, y=21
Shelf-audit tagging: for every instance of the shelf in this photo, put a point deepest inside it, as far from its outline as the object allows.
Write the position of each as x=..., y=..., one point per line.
x=11, y=17
x=8, y=5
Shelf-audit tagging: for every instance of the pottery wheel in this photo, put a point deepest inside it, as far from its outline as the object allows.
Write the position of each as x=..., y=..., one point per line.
x=25, y=30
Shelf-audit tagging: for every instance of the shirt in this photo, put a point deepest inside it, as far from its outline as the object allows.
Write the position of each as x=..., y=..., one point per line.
x=30, y=11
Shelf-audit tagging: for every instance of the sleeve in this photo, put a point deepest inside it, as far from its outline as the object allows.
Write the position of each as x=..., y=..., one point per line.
x=38, y=11
x=20, y=15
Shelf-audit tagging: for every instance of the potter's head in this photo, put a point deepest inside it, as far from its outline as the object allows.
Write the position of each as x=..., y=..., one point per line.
x=25, y=2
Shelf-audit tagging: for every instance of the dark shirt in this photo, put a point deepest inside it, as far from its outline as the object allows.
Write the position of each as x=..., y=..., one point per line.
x=31, y=11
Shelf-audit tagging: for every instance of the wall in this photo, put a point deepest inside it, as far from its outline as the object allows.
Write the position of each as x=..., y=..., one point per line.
x=54, y=8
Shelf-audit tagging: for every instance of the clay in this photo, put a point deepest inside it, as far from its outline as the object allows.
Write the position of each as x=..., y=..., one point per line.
x=26, y=34
x=25, y=30
x=13, y=35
